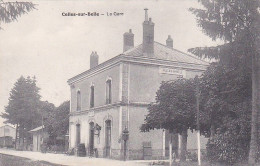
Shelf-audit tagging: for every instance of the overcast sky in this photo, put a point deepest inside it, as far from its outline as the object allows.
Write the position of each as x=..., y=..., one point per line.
x=54, y=48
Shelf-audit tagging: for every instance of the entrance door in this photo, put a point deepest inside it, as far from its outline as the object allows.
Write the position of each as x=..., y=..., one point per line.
x=91, y=138
x=108, y=138
x=77, y=134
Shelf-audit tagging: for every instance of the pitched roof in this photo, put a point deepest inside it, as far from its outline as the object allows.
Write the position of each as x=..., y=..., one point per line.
x=37, y=129
x=7, y=126
x=163, y=52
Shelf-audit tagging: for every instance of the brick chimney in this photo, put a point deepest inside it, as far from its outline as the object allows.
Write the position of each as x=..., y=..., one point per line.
x=169, y=42
x=148, y=36
x=128, y=40
x=93, y=59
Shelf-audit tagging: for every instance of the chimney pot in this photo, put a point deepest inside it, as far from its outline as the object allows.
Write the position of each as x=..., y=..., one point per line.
x=169, y=42
x=146, y=15
x=93, y=59
x=128, y=38
x=148, y=37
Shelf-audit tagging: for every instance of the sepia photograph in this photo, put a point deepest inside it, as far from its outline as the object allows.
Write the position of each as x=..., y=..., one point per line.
x=130, y=83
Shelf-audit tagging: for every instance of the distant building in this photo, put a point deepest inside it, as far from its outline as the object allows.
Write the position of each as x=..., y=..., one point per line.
x=7, y=136
x=114, y=95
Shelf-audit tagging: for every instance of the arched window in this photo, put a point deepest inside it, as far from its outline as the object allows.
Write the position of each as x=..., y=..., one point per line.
x=78, y=101
x=92, y=96
x=108, y=92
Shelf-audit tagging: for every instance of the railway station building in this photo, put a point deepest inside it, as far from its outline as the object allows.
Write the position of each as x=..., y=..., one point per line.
x=114, y=95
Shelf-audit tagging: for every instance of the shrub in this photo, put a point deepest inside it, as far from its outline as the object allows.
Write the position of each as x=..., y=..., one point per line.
x=231, y=142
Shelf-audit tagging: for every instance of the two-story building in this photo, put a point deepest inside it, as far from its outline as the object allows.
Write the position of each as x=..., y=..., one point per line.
x=115, y=94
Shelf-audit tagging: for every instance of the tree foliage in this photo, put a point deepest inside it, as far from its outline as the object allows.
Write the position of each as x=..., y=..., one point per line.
x=222, y=88
x=23, y=109
x=225, y=112
x=234, y=21
x=230, y=144
x=10, y=11
x=174, y=110
x=237, y=23
x=57, y=121
x=175, y=107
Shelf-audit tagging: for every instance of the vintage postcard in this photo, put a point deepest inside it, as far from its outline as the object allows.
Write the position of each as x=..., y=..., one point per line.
x=128, y=82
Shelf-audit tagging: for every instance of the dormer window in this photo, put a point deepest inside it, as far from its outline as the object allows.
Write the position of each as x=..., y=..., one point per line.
x=108, y=92
x=78, y=101
x=92, y=96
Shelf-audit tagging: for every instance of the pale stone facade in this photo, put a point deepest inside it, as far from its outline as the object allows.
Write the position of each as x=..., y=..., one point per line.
x=134, y=77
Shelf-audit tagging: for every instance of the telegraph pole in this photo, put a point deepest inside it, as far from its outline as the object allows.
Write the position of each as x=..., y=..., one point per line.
x=198, y=114
x=4, y=136
x=170, y=151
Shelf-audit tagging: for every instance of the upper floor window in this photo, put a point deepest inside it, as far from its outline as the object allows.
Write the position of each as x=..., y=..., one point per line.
x=92, y=96
x=78, y=101
x=108, y=92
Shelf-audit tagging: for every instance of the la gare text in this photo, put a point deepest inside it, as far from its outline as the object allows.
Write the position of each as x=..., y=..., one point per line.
x=92, y=14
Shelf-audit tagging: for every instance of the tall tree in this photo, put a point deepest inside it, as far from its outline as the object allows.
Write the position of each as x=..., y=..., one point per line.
x=57, y=121
x=225, y=112
x=10, y=11
x=23, y=106
x=61, y=126
x=237, y=23
x=174, y=110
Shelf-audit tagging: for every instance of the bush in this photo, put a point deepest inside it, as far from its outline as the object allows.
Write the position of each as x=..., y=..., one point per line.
x=231, y=142
x=44, y=147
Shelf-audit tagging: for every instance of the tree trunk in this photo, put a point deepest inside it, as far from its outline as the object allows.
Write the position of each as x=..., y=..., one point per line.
x=212, y=133
x=255, y=109
x=16, y=131
x=184, y=136
x=22, y=137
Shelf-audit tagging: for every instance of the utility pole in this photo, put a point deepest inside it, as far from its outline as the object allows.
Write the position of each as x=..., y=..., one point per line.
x=170, y=151
x=4, y=136
x=198, y=114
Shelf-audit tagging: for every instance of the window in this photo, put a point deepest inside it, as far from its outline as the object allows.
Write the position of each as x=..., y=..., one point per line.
x=78, y=101
x=92, y=96
x=108, y=92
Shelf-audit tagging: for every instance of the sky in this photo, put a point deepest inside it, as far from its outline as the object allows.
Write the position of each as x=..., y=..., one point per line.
x=54, y=48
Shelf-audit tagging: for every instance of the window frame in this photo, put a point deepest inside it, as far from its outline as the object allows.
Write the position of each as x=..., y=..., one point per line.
x=78, y=108
x=92, y=96
x=108, y=93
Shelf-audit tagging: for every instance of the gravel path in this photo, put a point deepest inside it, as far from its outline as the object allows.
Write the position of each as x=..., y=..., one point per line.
x=61, y=159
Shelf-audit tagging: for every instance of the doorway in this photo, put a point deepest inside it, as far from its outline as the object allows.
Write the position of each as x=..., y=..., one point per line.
x=77, y=134
x=108, y=138
x=91, y=138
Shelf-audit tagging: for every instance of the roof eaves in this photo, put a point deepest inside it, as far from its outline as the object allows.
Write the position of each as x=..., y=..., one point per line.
x=100, y=66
